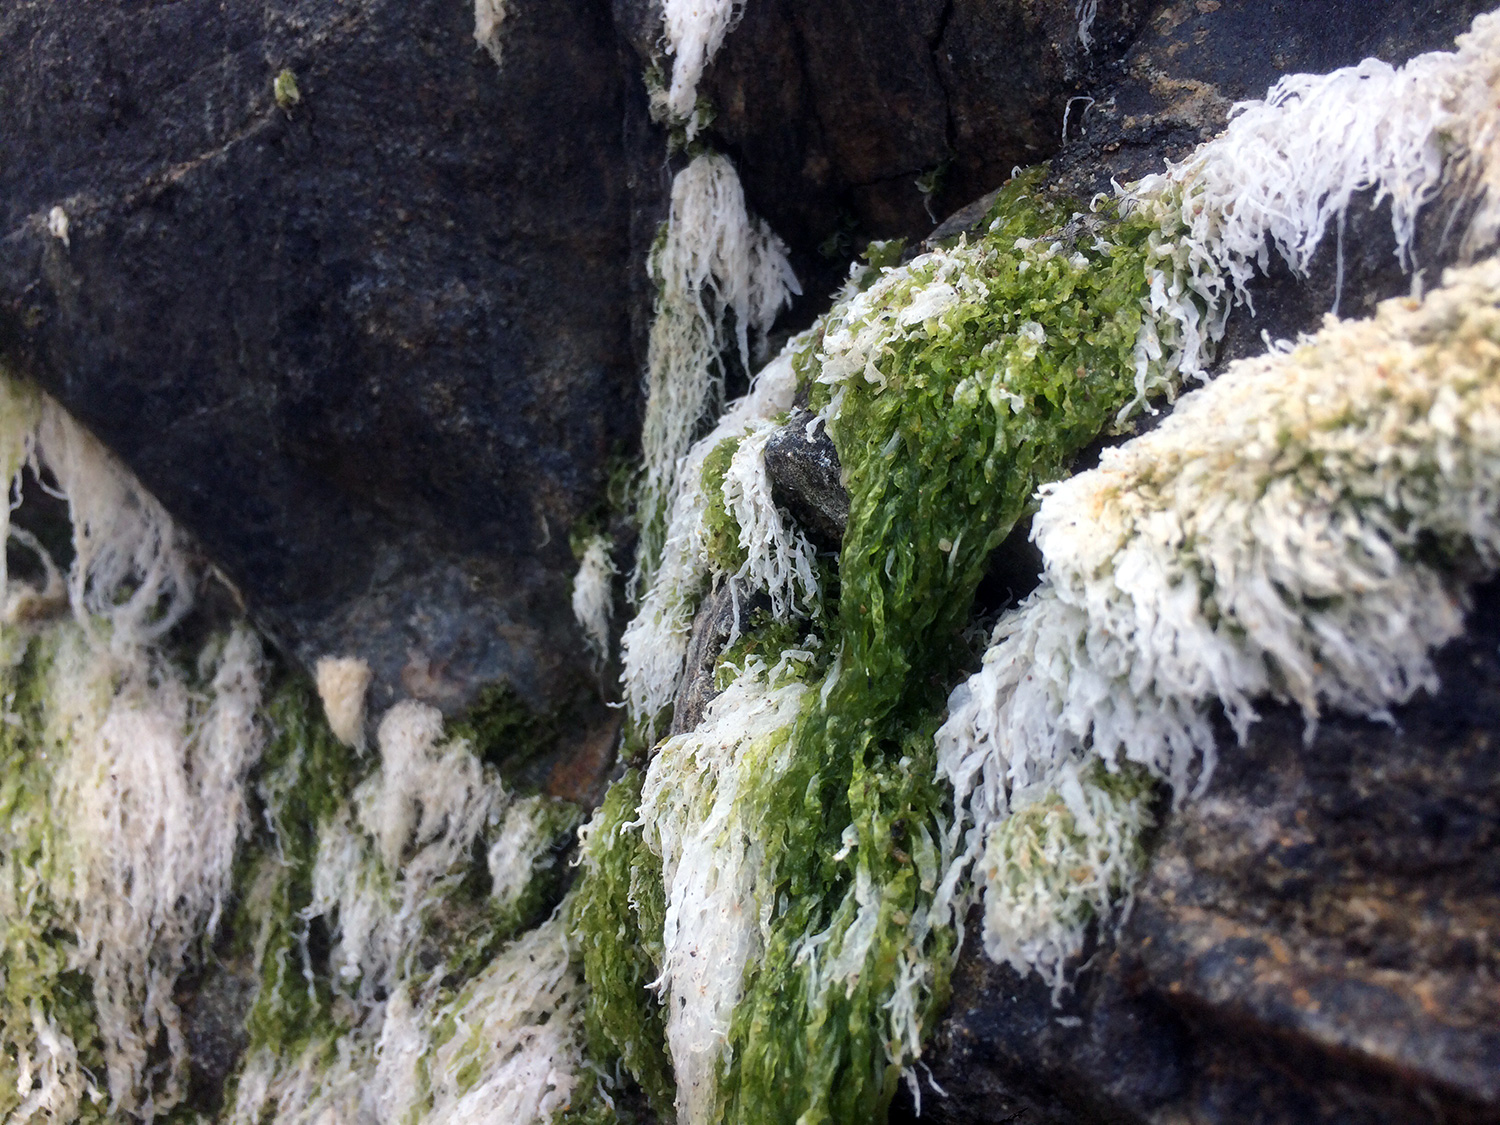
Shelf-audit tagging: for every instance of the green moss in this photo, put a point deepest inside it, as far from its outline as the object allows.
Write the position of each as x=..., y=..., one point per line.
x=306, y=776
x=617, y=915
x=986, y=401
x=721, y=531
x=477, y=922
x=37, y=946
x=765, y=637
x=1043, y=843
x=506, y=731
x=285, y=89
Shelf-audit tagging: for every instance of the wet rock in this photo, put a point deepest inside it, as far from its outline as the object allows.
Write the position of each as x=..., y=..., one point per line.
x=807, y=480
x=857, y=120
x=724, y=614
x=214, y=1007
x=1193, y=59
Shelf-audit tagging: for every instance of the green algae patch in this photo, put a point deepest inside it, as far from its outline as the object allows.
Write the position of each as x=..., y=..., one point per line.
x=802, y=840
x=38, y=985
x=505, y=730
x=616, y=924
x=721, y=531
x=952, y=387
x=530, y=856
x=306, y=777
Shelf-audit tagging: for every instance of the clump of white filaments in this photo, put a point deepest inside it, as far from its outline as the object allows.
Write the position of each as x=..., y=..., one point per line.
x=1277, y=536
x=385, y=864
x=343, y=682
x=406, y=836
x=133, y=803
x=715, y=267
x=1085, y=12
x=700, y=815
x=489, y=21
x=1289, y=166
x=780, y=560
x=506, y=1047
x=593, y=594
x=694, y=31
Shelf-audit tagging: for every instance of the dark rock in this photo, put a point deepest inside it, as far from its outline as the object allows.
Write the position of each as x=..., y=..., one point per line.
x=723, y=614
x=835, y=109
x=374, y=349
x=214, y=1007
x=1193, y=59
x=807, y=480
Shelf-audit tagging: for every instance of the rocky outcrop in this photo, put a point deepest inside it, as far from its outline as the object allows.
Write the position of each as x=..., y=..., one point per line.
x=368, y=314
x=373, y=346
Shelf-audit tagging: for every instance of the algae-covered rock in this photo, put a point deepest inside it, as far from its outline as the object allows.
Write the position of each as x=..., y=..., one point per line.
x=1311, y=942
x=364, y=303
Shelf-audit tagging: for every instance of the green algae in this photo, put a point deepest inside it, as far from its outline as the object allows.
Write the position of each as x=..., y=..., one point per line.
x=974, y=407
x=506, y=731
x=721, y=531
x=980, y=404
x=305, y=779
x=766, y=637
x=477, y=922
x=38, y=982
x=616, y=921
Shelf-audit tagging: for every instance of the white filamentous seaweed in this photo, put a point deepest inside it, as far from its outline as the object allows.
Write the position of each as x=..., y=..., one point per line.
x=694, y=32
x=489, y=20
x=505, y=1045
x=779, y=559
x=130, y=569
x=655, y=641
x=151, y=798
x=1290, y=165
x=343, y=682
x=593, y=594
x=698, y=809
x=1085, y=12
x=715, y=266
x=1059, y=860
x=406, y=837
x=1279, y=535
x=131, y=799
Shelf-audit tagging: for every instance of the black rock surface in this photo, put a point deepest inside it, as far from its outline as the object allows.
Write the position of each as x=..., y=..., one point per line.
x=373, y=348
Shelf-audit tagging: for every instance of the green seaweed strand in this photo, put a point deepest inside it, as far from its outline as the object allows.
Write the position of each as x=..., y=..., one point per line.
x=616, y=918
x=989, y=400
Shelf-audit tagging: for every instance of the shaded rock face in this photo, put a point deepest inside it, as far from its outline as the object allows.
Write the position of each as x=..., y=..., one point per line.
x=374, y=349
x=1193, y=59
x=836, y=109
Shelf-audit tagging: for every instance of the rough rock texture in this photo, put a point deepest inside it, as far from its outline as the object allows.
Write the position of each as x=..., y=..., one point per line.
x=1195, y=58
x=374, y=349
x=807, y=481
x=722, y=616
x=1314, y=939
